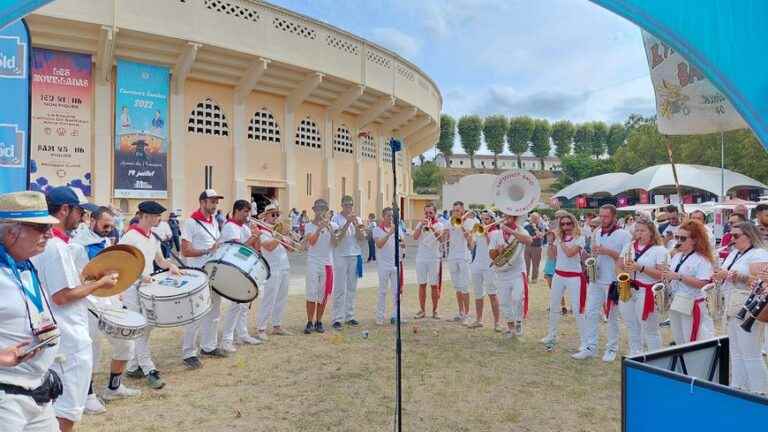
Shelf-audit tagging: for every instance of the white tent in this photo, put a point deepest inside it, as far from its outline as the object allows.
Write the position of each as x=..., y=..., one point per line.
x=605, y=183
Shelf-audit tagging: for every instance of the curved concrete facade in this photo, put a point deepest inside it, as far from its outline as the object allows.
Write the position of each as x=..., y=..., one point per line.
x=254, y=62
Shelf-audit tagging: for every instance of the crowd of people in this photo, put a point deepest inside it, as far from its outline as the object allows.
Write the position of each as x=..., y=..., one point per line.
x=50, y=339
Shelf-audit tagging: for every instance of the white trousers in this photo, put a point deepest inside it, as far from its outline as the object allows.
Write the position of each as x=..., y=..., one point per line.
x=748, y=371
x=273, y=300
x=597, y=293
x=387, y=282
x=344, y=288
x=484, y=282
x=22, y=414
x=459, y=270
x=235, y=323
x=208, y=328
x=142, y=356
x=681, y=325
x=510, y=286
x=75, y=372
x=641, y=333
x=560, y=286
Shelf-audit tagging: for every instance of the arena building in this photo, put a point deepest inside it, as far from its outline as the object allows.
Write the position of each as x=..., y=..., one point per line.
x=263, y=102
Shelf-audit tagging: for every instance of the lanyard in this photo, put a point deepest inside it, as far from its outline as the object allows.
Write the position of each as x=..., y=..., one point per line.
x=682, y=261
x=738, y=255
x=36, y=293
x=639, y=253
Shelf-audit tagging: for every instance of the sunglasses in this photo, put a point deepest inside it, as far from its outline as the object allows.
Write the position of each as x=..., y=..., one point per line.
x=566, y=223
x=736, y=236
x=681, y=238
x=41, y=228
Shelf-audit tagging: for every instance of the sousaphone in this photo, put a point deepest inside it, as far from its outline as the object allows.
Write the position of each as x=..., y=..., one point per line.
x=516, y=193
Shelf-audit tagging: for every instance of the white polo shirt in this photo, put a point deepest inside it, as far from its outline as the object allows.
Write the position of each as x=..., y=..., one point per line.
x=278, y=257
x=497, y=240
x=57, y=270
x=148, y=245
x=616, y=241
x=458, y=245
x=233, y=231
x=348, y=246
x=652, y=257
x=695, y=266
x=565, y=263
x=202, y=236
x=429, y=245
x=163, y=230
x=320, y=252
x=14, y=329
x=385, y=256
x=482, y=259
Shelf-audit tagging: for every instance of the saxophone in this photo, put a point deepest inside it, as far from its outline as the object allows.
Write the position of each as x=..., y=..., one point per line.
x=590, y=264
x=623, y=278
x=510, y=252
x=662, y=292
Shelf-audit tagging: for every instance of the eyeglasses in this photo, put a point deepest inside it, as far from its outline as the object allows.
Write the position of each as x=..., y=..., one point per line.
x=566, y=223
x=41, y=228
x=681, y=238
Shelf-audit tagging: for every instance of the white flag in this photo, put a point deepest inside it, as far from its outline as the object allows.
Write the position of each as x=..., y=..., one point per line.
x=687, y=103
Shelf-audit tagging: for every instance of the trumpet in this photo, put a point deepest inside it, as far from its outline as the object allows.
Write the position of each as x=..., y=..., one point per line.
x=427, y=226
x=480, y=229
x=285, y=238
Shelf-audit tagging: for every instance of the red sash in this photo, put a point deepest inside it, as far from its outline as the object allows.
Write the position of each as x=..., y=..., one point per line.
x=198, y=215
x=60, y=234
x=525, y=295
x=696, y=322
x=582, y=286
x=648, y=303
x=139, y=230
x=328, y=282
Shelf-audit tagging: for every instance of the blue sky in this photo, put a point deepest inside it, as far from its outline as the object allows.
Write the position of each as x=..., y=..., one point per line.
x=556, y=59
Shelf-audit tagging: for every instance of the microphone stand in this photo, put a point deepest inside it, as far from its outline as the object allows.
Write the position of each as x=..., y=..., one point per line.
x=396, y=146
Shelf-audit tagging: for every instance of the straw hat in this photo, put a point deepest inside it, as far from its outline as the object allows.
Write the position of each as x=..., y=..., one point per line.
x=25, y=206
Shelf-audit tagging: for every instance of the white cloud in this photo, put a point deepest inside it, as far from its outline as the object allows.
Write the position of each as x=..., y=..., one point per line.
x=399, y=42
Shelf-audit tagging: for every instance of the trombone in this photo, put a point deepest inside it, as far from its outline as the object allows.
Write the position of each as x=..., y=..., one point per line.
x=281, y=232
x=480, y=229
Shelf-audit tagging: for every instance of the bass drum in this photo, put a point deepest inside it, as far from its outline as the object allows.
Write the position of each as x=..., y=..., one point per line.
x=173, y=301
x=119, y=323
x=237, y=272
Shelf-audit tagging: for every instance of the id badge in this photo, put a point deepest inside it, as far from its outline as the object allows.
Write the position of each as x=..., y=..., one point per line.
x=41, y=321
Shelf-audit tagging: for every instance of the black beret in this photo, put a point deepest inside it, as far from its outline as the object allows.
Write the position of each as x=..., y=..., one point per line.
x=151, y=207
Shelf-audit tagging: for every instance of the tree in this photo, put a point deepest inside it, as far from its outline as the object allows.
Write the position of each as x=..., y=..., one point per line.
x=494, y=129
x=518, y=136
x=616, y=136
x=562, y=135
x=470, y=127
x=540, y=146
x=582, y=139
x=599, y=139
x=580, y=166
x=636, y=120
x=427, y=178
x=645, y=147
x=447, y=134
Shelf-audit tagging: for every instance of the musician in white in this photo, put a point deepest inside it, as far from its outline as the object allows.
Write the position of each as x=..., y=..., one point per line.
x=639, y=313
x=483, y=275
x=690, y=270
x=199, y=239
x=61, y=280
x=569, y=276
x=701, y=217
x=428, y=234
x=25, y=229
x=511, y=280
x=321, y=238
x=275, y=294
x=459, y=257
x=384, y=238
x=237, y=229
x=607, y=243
x=140, y=236
x=93, y=240
x=347, y=263
x=748, y=370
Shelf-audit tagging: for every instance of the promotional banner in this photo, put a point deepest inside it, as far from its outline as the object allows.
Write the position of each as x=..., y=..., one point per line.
x=61, y=120
x=141, y=130
x=686, y=102
x=11, y=10
x=14, y=109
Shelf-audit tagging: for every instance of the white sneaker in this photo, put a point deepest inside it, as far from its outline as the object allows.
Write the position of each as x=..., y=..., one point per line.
x=547, y=340
x=467, y=321
x=250, y=340
x=93, y=405
x=497, y=328
x=508, y=334
x=518, y=328
x=120, y=393
x=583, y=354
x=262, y=336
x=609, y=356
x=228, y=346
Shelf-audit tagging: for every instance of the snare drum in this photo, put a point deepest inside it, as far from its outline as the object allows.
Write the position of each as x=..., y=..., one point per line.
x=172, y=301
x=119, y=323
x=236, y=272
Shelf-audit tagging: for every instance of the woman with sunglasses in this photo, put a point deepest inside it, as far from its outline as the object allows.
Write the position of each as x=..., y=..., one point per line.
x=569, y=276
x=690, y=270
x=639, y=313
x=749, y=371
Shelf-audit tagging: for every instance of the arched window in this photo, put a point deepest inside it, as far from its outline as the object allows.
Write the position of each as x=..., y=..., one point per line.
x=342, y=141
x=208, y=119
x=308, y=134
x=368, y=146
x=264, y=127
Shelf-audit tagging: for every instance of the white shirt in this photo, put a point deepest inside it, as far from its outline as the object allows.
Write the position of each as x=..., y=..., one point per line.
x=564, y=262
x=742, y=266
x=149, y=247
x=199, y=239
x=232, y=231
x=458, y=245
x=652, y=257
x=57, y=270
x=278, y=257
x=616, y=241
x=385, y=256
x=163, y=230
x=482, y=259
x=348, y=246
x=670, y=230
x=497, y=240
x=320, y=252
x=429, y=245
x=14, y=328
x=695, y=266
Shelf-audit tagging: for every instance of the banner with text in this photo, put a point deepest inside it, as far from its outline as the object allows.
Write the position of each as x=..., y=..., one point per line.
x=14, y=109
x=687, y=103
x=141, y=130
x=61, y=120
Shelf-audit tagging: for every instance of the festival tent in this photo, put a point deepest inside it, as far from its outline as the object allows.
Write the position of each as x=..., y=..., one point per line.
x=605, y=183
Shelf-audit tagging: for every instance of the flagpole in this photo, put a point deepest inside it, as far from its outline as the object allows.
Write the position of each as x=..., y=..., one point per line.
x=395, y=146
x=674, y=174
x=722, y=166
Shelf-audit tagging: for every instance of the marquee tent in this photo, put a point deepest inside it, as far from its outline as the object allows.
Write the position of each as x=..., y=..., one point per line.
x=605, y=183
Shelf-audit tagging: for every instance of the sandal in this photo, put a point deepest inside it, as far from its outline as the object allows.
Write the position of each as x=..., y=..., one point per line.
x=420, y=315
x=435, y=316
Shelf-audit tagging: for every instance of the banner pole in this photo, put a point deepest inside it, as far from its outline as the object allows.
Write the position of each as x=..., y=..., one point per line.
x=674, y=174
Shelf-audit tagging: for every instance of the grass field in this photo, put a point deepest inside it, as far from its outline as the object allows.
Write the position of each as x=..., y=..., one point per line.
x=455, y=379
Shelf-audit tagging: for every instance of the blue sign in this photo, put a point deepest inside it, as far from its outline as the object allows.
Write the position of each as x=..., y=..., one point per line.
x=11, y=10
x=14, y=110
